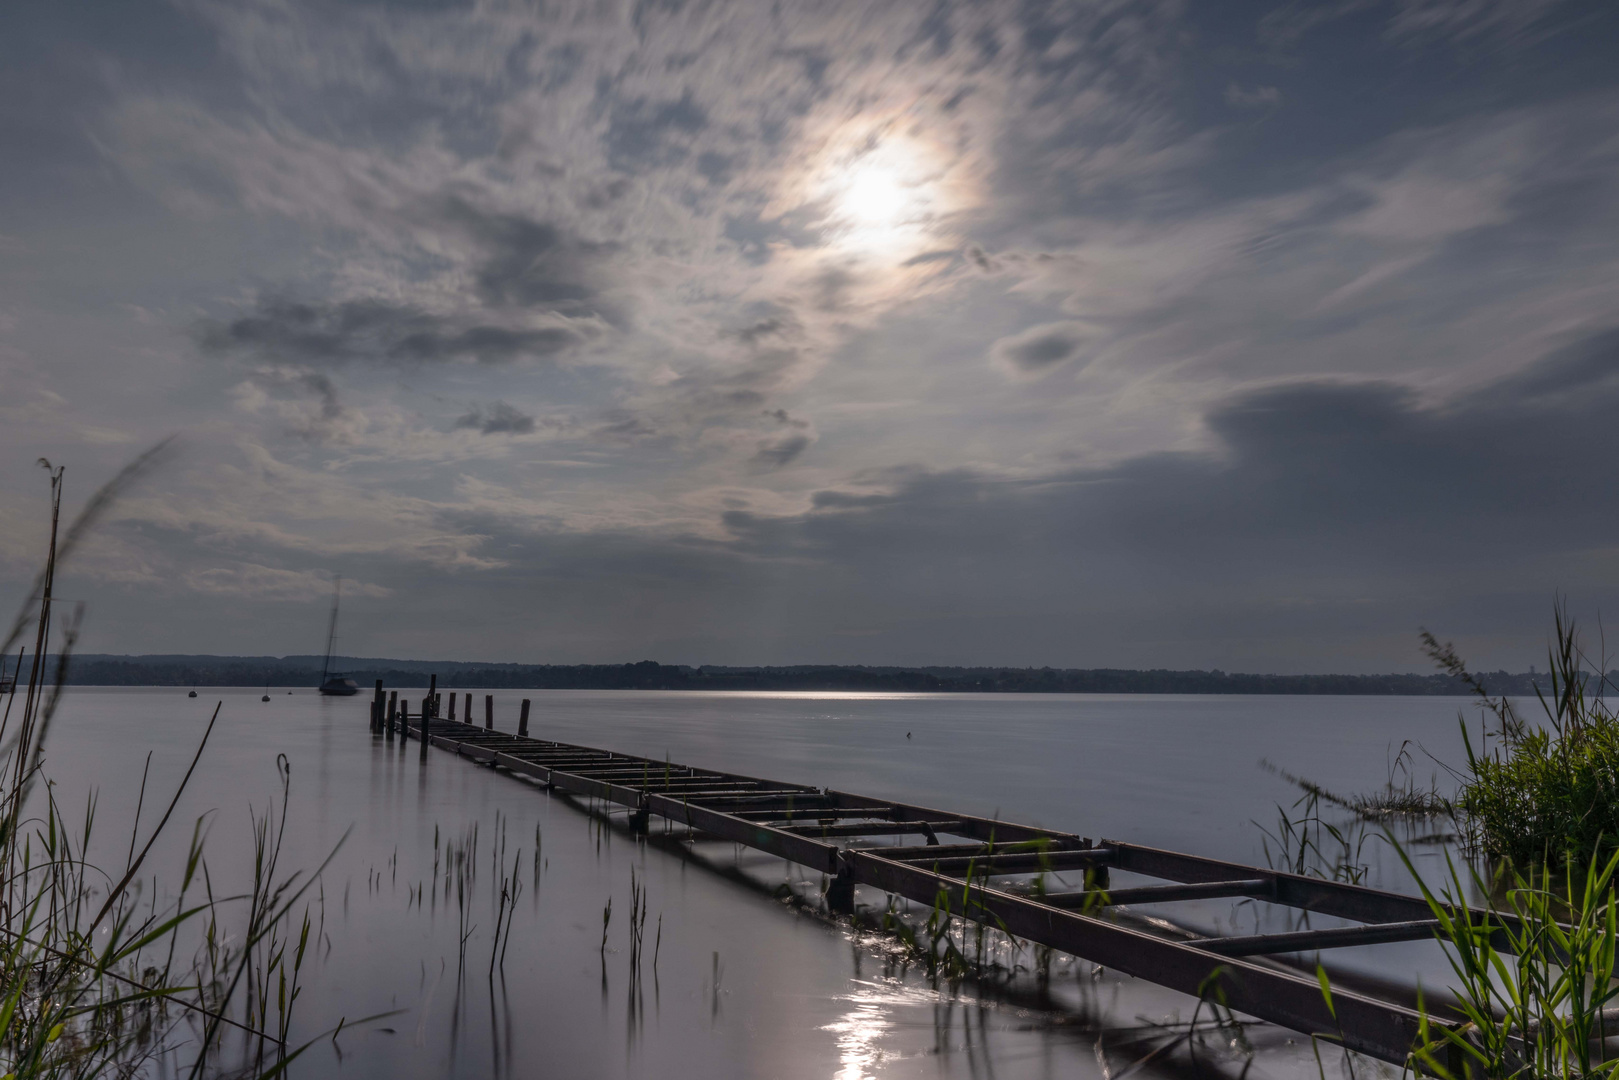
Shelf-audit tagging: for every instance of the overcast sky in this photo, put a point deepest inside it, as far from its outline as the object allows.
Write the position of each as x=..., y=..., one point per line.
x=1239, y=335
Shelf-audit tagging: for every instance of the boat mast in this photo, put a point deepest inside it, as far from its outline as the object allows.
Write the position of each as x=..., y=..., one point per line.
x=331, y=630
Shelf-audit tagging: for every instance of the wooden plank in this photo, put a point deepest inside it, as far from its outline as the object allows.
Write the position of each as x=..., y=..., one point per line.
x=801, y=850
x=978, y=827
x=873, y=828
x=936, y=851
x=1345, y=901
x=1312, y=940
x=1158, y=894
x=815, y=813
x=996, y=865
x=741, y=804
x=715, y=795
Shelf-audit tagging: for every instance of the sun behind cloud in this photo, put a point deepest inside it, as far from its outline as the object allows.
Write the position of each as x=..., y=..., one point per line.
x=888, y=197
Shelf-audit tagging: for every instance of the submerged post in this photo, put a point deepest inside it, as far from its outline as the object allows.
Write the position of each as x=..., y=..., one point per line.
x=429, y=707
x=522, y=720
x=466, y=711
x=393, y=712
x=488, y=712
x=452, y=706
x=376, y=710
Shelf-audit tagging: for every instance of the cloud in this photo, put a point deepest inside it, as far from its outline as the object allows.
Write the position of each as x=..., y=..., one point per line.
x=641, y=219
x=499, y=419
x=1041, y=348
x=529, y=264
x=783, y=450
x=1258, y=97
x=1412, y=23
x=1506, y=21
x=250, y=581
x=1323, y=505
x=320, y=334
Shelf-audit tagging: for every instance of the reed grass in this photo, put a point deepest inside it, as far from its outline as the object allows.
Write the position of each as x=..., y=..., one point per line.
x=1547, y=792
x=97, y=979
x=1534, y=981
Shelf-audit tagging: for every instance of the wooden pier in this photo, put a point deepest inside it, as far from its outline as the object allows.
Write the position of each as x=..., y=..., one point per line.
x=979, y=869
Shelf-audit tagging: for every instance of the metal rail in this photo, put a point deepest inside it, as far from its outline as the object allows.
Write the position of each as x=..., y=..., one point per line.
x=803, y=824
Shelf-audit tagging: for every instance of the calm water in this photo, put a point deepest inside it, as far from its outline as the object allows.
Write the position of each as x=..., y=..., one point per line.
x=746, y=985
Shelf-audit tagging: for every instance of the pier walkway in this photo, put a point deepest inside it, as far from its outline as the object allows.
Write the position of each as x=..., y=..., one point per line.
x=994, y=872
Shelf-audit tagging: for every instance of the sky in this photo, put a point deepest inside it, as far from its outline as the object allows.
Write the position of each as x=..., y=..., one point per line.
x=1252, y=336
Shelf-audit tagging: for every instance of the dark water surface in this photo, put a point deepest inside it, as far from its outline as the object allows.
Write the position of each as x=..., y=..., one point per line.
x=745, y=984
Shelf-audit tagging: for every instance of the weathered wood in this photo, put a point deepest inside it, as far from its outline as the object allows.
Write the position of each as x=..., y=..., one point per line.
x=1356, y=902
x=1001, y=865
x=429, y=708
x=1311, y=940
x=452, y=708
x=813, y=813
x=977, y=827
x=1258, y=888
x=393, y=711
x=872, y=828
x=806, y=852
x=936, y=851
x=488, y=711
x=522, y=720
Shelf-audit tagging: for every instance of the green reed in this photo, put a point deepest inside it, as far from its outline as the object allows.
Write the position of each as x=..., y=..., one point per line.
x=99, y=977
x=1534, y=975
x=1545, y=792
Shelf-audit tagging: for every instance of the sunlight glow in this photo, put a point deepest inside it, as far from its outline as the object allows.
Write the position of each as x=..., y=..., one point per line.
x=885, y=197
x=874, y=196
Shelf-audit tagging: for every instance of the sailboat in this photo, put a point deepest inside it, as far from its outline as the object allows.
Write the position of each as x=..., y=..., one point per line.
x=335, y=683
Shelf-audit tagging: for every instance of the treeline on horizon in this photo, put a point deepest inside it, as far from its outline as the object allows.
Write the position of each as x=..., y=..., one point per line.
x=104, y=670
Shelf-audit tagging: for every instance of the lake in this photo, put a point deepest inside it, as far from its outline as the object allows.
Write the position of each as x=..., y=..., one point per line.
x=746, y=983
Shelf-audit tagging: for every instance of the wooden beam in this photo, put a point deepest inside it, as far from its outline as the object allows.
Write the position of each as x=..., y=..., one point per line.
x=1311, y=940
x=1158, y=894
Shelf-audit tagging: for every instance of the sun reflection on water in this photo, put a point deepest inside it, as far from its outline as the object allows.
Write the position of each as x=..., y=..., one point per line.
x=860, y=1034
x=862, y=1030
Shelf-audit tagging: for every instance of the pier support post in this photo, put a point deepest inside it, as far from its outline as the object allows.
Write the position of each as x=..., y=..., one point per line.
x=429, y=707
x=393, y=713
x=641, y=817
x=522, y=721
x=466, y=709
x=452, y=706
x=488, y=711
x=840, y=890
x=376, y=710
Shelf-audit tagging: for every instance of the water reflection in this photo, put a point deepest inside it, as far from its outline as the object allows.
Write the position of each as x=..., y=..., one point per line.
x=760, y=983
x=860, y=1033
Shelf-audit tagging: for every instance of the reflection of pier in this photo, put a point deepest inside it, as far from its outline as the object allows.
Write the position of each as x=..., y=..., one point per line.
x=995, y=875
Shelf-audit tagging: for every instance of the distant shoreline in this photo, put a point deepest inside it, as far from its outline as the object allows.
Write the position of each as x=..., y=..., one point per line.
x=248, y=671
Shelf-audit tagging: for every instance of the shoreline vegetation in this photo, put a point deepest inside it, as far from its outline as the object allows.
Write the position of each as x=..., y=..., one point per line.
x=249, y=671
x=140, y=970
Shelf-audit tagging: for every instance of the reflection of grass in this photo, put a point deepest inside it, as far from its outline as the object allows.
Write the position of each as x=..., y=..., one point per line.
x=92, y=980
x=1547, y=793
x=1399, y=797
